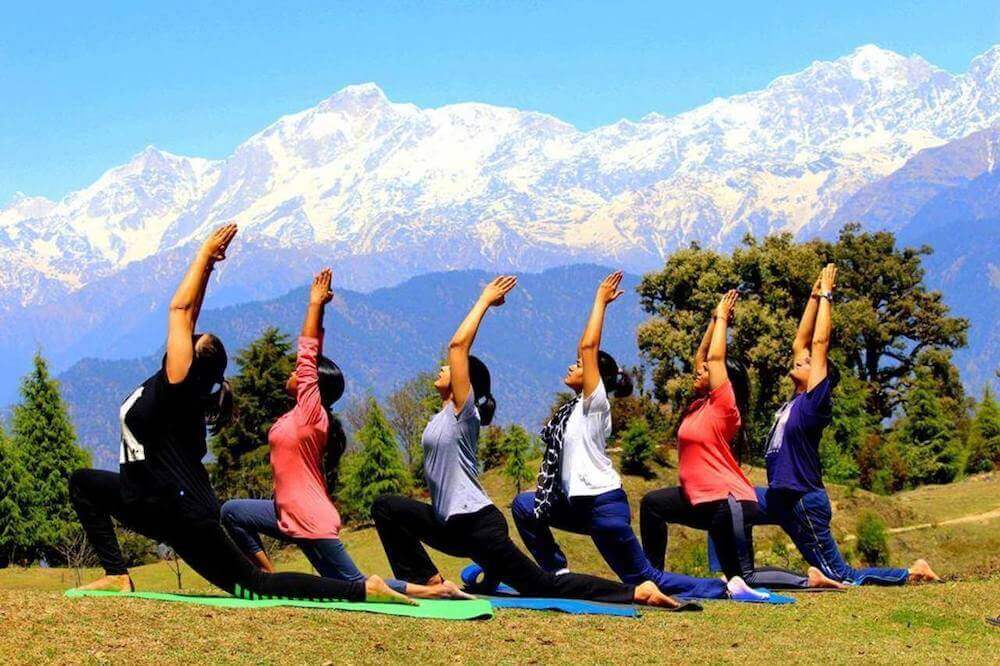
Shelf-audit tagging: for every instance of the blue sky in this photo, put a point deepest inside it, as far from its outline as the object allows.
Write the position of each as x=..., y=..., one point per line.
x=87, y=85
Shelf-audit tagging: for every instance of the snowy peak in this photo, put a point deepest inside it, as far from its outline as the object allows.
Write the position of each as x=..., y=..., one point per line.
x=870, y=62
x=355, y=98
x=986, y=67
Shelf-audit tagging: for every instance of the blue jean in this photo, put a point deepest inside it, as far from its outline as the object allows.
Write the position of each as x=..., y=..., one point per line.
x=806, y=517
x=247, y=519
x=606, y=518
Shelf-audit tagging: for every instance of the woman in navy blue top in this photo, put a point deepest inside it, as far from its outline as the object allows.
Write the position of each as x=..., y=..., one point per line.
x=795, y=497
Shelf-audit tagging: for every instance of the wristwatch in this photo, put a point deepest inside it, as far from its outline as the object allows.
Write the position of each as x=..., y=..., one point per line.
x=828, y=295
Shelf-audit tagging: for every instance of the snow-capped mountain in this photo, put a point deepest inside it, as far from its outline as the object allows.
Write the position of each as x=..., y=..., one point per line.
x=385, y=191
x=359, y=175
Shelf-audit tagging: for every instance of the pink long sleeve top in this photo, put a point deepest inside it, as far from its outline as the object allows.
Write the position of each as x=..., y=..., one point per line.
x=298, y=444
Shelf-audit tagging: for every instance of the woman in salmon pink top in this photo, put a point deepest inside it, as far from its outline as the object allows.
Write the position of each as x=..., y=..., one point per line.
x=714, y=494
x=301, y=441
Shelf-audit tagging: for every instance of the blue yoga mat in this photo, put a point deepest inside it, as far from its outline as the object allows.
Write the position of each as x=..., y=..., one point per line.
x=504, y=596
x=571, y=606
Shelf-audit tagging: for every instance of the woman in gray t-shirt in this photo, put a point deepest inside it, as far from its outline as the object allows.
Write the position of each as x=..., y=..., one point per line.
x=461, y=520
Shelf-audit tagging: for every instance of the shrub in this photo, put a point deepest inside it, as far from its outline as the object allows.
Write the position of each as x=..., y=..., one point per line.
x=873, y=540
x=637, y=447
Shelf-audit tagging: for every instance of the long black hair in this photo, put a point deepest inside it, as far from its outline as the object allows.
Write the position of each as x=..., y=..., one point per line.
x=208, y=371
x=479, y=377
x=331, y=388
x=617, y=382
x=740, y=380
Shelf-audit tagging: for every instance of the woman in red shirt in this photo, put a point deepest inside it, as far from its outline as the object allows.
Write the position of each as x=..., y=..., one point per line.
x=714, y=494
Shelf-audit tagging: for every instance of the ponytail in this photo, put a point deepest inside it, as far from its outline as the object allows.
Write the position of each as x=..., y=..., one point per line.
x=479, y=377
x=617, y=382
x=218, y=407
x=336, y=443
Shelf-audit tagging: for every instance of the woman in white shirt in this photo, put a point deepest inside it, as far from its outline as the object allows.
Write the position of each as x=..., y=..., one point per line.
x=578, y=488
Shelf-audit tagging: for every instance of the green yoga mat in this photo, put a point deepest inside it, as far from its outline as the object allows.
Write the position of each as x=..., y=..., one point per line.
x=438, y=609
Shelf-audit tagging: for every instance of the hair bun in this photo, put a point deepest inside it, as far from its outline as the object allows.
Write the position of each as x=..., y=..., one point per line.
x=487, y=406
x=623, y=384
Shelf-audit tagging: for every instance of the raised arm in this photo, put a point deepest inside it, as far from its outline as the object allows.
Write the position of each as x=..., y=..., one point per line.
x=701, y=356
x=458, y=349
x=309, y=402
x=590, y=341
x=803, y=336
x=185, y=306
x=319, y=295
x=716, y=359
x=824, y=323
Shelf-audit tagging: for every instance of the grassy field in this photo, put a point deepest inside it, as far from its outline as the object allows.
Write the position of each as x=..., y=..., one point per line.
x=929, y=623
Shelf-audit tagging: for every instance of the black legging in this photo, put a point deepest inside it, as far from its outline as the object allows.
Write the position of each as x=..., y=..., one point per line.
x=204, y=544
x=729, y=522
x=483, y=536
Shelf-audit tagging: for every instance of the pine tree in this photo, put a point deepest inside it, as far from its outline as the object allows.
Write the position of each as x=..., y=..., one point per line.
x=242, y=463
x=925, y=434
x=851, y=425
x=491, y=447
x=13, y=519
x=984, y=435
x=518, y=446
x=637, y=447
x=46, y=444
x=377, y=469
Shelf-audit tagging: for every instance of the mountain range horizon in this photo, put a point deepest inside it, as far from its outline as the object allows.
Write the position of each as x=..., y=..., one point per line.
x=386, y=191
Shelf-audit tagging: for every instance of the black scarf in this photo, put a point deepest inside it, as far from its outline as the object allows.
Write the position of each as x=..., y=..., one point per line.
x=549, y=485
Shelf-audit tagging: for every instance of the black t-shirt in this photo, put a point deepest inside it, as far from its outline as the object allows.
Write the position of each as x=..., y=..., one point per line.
x=163, y=442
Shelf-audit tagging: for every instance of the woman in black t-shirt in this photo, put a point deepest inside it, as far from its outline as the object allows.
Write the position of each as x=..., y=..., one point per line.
x=162, y=489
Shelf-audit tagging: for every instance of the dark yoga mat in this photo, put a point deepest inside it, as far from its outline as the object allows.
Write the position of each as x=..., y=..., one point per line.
x=505, y=596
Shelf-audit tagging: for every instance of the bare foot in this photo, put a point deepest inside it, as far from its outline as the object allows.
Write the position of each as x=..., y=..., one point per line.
x=921, y=572
x=819, y=579
x=377, y=591
x=648, y=594
x=444, y=590
x=122, y=583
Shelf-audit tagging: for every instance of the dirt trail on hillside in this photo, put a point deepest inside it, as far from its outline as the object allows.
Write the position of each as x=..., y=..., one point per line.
x=970, y=518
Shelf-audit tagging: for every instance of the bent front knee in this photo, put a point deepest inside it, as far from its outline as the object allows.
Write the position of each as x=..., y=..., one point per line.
x=383, y=507
x=523, y=506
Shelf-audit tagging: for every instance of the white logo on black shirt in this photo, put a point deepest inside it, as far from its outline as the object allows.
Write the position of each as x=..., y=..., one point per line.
x=131, y=450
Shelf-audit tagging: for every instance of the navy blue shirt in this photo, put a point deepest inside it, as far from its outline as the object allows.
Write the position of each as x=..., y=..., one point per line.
x=792, y=456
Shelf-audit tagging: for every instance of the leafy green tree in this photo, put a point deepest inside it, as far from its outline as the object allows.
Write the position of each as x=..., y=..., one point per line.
x=492, y=451
x=519, y=450
x=46, y=444
x=14, y=536
x=409, y=408
x=882, y=468
x=886, y=319
x=242, y=462
x=926, y=433
x=637, y=447
x=984, y=435
x=376, y=469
